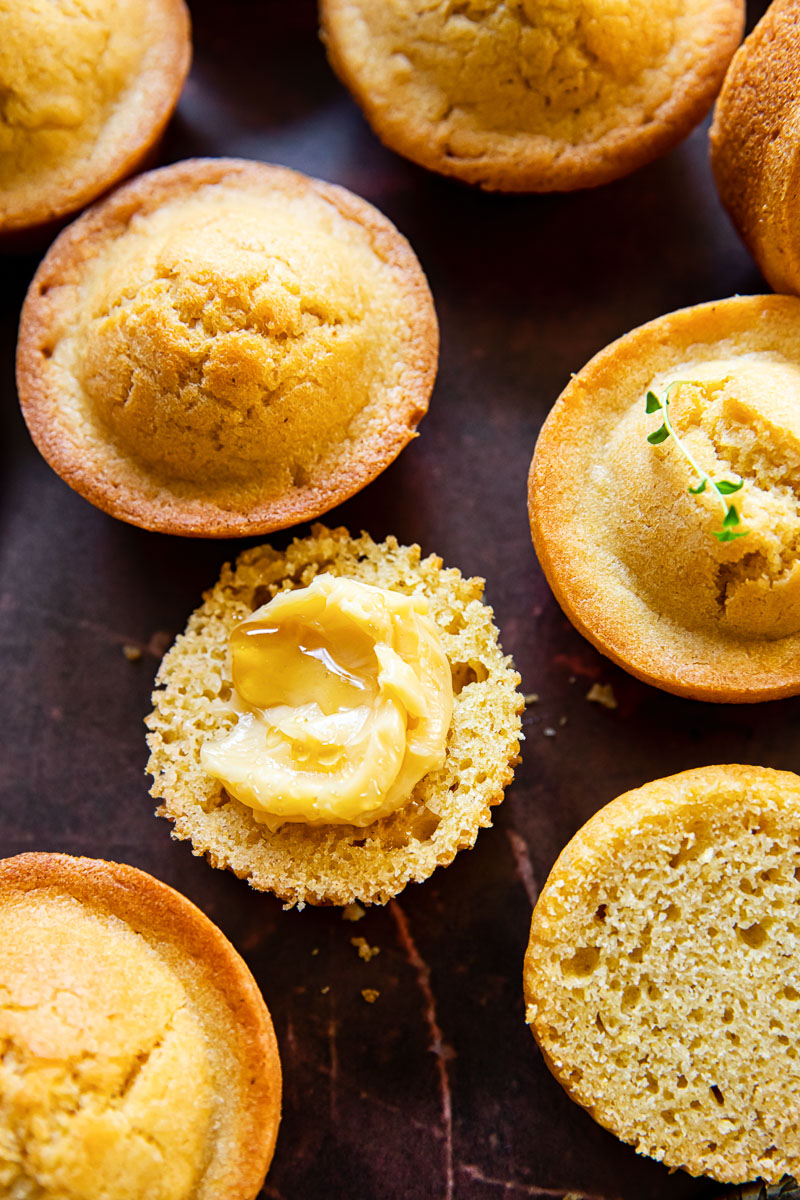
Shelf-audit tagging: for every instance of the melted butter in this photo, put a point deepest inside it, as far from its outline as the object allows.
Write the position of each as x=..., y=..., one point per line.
x=344, y=698
x=301, y=664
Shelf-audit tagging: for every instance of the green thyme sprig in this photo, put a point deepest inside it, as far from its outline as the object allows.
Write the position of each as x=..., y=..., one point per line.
x=731, y=521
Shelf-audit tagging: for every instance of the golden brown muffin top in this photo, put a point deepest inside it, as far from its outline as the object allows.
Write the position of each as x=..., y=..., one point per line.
x=532, y=95
x=630, y=552
x=755, y=144
x=661, y=977
x=83, y=86
x=235, y=346
x=123, y=1071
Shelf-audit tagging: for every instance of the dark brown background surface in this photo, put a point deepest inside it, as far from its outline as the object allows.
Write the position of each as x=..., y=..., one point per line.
x=437, y=1090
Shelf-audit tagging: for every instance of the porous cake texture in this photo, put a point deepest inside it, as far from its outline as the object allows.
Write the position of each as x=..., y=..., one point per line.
x=662, y=978
x=526, y=95
x=336, y=864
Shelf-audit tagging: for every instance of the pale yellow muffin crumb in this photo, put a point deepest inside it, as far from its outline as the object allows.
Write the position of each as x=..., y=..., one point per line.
x=661, y=974
x=86, y=90
x=138, y=1058
x=364, y=949
x=226, y=347
x=602, y=694
x=336, y=864
x=532, y=95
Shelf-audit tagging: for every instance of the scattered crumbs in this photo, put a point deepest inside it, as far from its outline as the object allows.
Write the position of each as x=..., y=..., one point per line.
x=549, y=731
x=132, y=653
x=365, y=951
x=531, y=698
x=370, y=994
x=573, y=678
x=562, y=722
x=324, y=991
x=602, y=693
x=353, y=912
x=315, y=952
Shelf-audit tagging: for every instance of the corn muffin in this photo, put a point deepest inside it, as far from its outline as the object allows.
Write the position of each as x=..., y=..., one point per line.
x=225, y=347
x=336, y=855
x=661, y=976
x=87, y=90
x=532, y=95
x=692, y=590
x=138, y=1057
x=755, y=144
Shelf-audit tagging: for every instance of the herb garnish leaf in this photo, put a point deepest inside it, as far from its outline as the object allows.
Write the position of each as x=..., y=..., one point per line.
x=722, y=488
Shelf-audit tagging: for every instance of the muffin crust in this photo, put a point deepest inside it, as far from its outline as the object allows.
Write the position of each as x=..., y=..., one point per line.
x=532, y=96
x=138, y=1058
x=755, y=144
x=661, y=977
x=87, y=90
x=630, y=553
x=226, y=347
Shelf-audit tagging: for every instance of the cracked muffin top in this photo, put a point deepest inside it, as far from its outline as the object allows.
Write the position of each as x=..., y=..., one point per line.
x=137, y=1057
x=226, y=347
x=85, y=92
x=631, y=516
x=532, y=95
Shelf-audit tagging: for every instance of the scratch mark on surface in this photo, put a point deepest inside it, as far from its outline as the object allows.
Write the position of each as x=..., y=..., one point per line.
x=333, y=1055
x=442, y=1051
x=578, y=666
x=512, y=1185
x=519, y=848
x=155, y=647
x=397, y=1110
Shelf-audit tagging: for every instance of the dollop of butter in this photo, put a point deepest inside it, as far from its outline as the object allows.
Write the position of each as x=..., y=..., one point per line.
x=344, y=697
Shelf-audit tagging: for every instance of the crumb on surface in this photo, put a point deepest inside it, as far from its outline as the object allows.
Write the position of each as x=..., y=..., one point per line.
x=370, y=994
x=365, y=951
x=602, y=694
x=132, y=653
x=353, y=912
